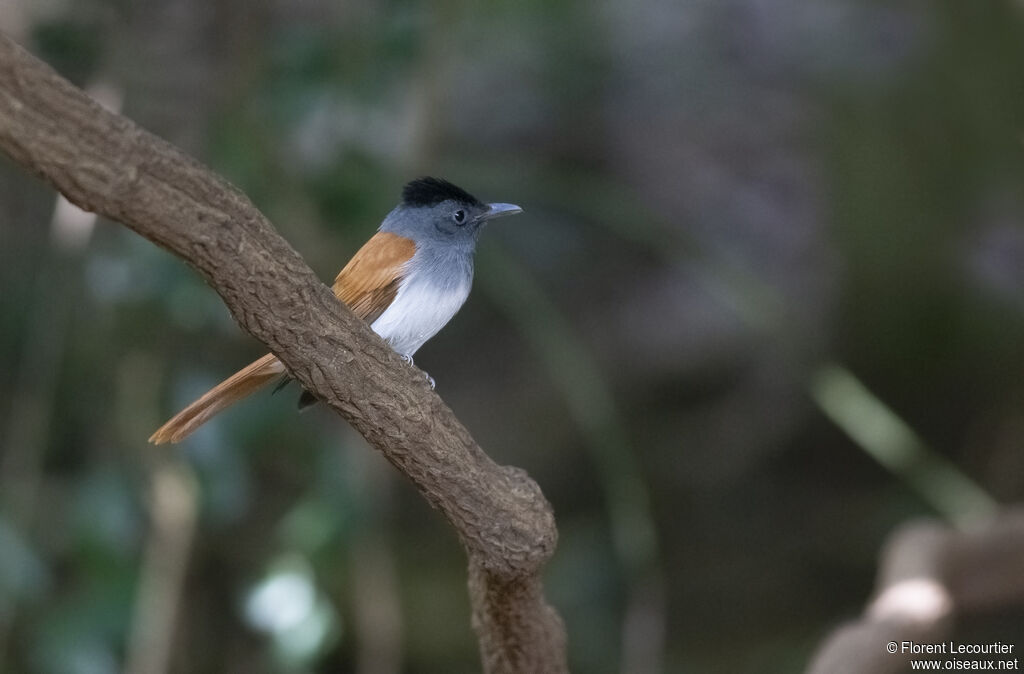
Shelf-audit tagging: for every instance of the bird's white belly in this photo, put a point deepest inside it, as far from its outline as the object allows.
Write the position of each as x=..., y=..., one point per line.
x=419, y=310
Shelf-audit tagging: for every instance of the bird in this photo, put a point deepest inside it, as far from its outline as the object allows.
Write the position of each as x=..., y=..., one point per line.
x=407, y=281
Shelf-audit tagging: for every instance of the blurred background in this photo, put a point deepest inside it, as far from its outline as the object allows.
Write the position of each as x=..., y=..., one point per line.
x=764, y=307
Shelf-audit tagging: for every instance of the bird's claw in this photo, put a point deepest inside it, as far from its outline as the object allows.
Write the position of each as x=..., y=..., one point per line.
x=430, y=380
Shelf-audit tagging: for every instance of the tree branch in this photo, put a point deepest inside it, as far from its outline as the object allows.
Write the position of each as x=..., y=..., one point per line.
x=105, y=163
x=929, y=576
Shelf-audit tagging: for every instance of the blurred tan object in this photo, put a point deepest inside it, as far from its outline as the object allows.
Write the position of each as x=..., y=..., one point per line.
x=173, y=506
x=929, y=575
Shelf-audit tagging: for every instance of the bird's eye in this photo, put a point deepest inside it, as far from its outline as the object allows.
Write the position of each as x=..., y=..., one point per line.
x=459, y=216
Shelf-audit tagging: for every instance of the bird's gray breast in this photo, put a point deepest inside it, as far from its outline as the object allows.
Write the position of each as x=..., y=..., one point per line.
x=436, y=283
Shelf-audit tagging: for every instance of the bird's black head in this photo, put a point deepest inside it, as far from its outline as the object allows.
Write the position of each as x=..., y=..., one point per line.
x=433, y=191
x=433, y=209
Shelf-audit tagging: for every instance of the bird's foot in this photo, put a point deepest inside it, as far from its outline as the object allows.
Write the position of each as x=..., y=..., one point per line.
x=430, y=380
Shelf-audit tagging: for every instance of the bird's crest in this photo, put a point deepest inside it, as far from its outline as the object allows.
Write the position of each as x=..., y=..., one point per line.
x=432, y=191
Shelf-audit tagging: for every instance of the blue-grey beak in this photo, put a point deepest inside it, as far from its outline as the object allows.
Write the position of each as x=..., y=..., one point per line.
x=499, y=210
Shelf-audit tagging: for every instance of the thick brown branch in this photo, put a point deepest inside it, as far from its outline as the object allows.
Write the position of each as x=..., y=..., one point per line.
x=105, y=163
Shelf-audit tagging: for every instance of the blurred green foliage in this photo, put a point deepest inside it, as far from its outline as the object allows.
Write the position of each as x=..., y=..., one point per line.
x=720, y=199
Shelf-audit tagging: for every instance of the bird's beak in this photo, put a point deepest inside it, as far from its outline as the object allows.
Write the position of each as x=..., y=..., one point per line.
x=499, y=210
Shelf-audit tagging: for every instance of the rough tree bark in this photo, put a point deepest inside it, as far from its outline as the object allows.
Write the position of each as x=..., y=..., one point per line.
x=104, y=163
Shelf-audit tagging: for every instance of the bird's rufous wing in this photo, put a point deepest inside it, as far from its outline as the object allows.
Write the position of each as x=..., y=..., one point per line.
x=369, y=282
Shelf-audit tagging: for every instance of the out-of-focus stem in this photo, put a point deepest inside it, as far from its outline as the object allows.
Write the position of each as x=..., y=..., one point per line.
x=173, y=510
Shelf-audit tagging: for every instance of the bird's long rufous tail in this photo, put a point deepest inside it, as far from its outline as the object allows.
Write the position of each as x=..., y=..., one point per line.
x=245, y=382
